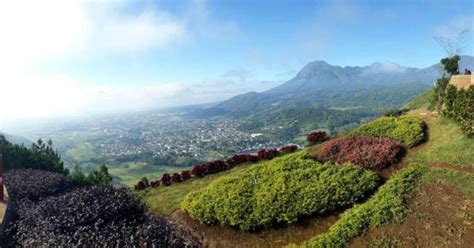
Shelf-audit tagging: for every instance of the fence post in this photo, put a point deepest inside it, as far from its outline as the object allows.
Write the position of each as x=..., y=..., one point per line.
x=2, y=195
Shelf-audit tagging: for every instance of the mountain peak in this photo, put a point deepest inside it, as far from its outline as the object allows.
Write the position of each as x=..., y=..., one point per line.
x=313, y=67
x=385, y=67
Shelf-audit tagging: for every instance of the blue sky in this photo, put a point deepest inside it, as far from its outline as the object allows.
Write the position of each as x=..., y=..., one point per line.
x=83, y=56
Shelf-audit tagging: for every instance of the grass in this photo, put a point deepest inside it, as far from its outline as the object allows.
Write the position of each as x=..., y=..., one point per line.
x=462, y=180
x=447, y=144
x=130, y=173
x=420, y=102
x=166, y=200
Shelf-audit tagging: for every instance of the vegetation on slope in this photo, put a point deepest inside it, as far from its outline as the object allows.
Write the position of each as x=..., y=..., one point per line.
x=45, y=212
x=373, y=153
x=388, y=204
x=447, y=144
x=407, y=129
x=281, y=190
x=423, y=101
x=166, y=200
x=41, y=156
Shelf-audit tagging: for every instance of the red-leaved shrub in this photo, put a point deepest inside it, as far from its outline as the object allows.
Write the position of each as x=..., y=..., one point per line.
x=197, y=171
x=372, y=153
x=185, y=175
x=176, y=178
x=267, y=154
x=166, y=179
x=288, y=149
x=140, y=186
x=214, y=166
x=317, y=137
x=155, y=184
x=240, y=159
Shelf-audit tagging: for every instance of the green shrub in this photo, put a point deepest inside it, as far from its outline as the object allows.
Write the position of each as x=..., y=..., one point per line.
x=389, y=203
x=409, y=130
x=459, y=105
x=281, y=190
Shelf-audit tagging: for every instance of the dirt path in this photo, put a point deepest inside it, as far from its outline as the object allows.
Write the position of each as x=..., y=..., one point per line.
x=440, y=216
x=224, y=236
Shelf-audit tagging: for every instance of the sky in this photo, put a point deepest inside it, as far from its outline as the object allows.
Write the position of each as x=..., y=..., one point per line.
x=82, y=57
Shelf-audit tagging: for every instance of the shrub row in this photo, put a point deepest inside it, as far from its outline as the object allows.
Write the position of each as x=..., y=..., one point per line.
x=409, y=130
x=459, y=105
x=34, y=184
x=317, y=137
x=372, y=153
x=281, y=190
x=96, y=216
x=389, y=203
x=216, y=166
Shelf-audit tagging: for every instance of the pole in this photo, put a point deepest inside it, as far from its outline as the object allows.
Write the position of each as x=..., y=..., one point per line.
x=2, y=195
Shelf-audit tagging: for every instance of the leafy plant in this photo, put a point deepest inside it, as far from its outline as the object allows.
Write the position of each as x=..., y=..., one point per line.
x=459, y=105
x=409, y=130
x=389, y=203
x=317, y=137
x=94, y=216
x=372, y=153
x=267, y=153
x=281, y=190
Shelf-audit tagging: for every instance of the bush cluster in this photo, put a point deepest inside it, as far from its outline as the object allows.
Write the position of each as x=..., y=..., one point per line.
x=267, y=154
x=96, y=216
x=216, y=166
x=317, y=137
x=34, y=184
x=389, y=203
x=409, y=130
x=459, y=105
x=373, y=153
x=288, y=149
x=281, y=190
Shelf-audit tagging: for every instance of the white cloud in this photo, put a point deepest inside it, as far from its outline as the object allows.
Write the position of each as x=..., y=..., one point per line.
x=54, y=31
x=36, y=30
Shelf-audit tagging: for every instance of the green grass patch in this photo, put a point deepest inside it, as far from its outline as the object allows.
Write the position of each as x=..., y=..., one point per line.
x=447, y=144
x=389, y=203
x=422, y=101
x=279, y=191
x=166, y=200
x=409, y=130
x=462, y=180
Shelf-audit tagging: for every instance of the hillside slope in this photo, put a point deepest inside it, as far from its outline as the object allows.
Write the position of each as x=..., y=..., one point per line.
x=445, y=190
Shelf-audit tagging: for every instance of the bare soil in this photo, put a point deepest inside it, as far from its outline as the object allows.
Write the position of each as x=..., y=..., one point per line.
x=224, y=236
x=440, y=216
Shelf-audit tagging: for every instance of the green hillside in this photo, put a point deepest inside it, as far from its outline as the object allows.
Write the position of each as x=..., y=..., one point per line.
x=446, y=159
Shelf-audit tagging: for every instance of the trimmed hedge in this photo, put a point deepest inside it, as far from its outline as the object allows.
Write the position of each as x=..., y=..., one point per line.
x=373, y=153
x=409, y=130
x=281, y=190
x=389, y=203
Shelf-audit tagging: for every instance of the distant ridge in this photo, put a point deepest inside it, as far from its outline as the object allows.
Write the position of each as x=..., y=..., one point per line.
x=324, y=85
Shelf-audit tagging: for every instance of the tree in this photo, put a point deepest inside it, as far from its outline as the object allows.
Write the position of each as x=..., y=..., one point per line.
x=77, y=177
x=451, y=64
x=453, y=42
x=100, y=176
x=145, y=181
x=40, y=156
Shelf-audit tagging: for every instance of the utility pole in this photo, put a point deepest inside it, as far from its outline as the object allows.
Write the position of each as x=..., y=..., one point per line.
x=2, y=195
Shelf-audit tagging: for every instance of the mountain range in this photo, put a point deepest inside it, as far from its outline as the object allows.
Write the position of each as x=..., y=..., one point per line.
x=329, y=90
